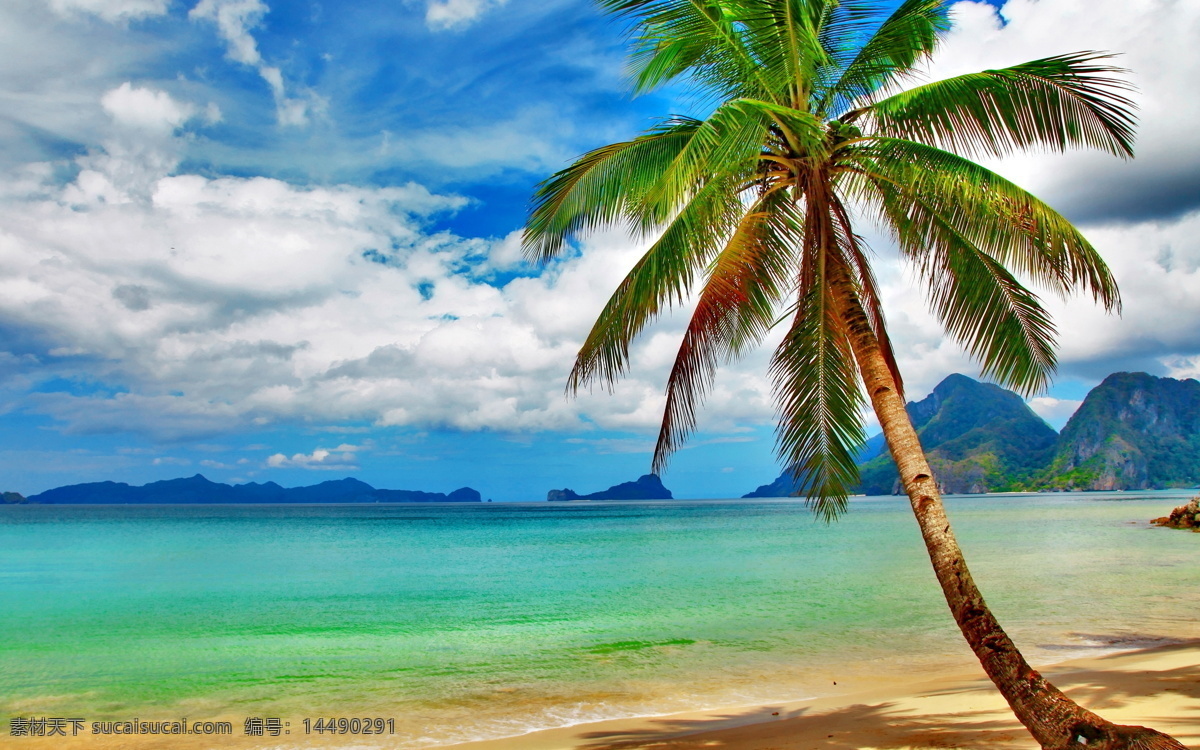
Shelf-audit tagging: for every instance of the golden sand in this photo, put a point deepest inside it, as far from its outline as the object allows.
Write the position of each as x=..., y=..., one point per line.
x=1157, y=687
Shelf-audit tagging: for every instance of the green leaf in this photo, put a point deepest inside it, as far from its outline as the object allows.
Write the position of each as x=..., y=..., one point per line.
x=820, y=403
x=662, y=277
x=734, y=310
x=906, y=37
x=992, y=213
x=1056, y=102
x=602, y=187
x=700, y=38
x=999, y=321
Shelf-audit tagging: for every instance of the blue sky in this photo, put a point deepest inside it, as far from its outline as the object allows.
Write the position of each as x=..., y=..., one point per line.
x=268, y=240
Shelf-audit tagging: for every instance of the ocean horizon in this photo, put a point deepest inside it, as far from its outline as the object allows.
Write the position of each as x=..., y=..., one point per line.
x=473, y=621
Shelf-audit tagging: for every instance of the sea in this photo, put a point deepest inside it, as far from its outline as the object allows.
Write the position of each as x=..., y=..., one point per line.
x=460, y=622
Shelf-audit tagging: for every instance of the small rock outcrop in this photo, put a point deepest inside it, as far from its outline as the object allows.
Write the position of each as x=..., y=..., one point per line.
x=647, y=487
x=1183, y=517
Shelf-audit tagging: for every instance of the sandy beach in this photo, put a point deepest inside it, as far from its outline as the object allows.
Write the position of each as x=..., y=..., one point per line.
x=1158, y=687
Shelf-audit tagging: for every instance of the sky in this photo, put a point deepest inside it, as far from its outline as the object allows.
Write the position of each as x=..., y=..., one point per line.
x=279, y=240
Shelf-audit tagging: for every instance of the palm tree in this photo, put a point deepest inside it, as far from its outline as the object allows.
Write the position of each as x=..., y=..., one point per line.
x=752, y=210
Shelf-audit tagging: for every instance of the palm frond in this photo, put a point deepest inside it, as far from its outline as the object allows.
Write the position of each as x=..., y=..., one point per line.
x=603, y=186
x=1007, y=222
x=1000, y=322
x=699, y=38
x=662, y=278
x=804, y=132
x=820, y=404
x=734, y=310
x=1055, y=102
x=728, y=142
x=904, y=38
x=785, y=37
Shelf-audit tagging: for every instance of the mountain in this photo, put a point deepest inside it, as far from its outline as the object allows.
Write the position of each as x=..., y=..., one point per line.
x=979, y=437
x=199, y=489
x=785, y=486
x=646, y=487
x=1133, y=431
x=12, y=498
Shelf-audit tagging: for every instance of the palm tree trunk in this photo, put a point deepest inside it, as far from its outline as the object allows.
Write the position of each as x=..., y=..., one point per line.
x=1053, y=719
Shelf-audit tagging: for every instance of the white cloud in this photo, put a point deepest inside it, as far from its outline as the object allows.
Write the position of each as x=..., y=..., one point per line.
x=171, y=461
x=234, y=20
x=1154, y=39
x=146, y=109
x=453, y=14
x=112, y=11
x=235, y=301
x=223, y=302
x=507, y=254
x=1056, y=411
x=1182, y=367
x=322, y=458
x=140, y=148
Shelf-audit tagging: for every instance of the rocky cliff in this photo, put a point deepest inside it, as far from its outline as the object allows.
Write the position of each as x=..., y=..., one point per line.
x=1133, y=431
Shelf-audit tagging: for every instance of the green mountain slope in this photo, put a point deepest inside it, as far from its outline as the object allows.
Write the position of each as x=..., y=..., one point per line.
x=979, y=438
x=1133, y=431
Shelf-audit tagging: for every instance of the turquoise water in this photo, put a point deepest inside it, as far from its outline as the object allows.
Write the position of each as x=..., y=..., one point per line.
x=469, y=621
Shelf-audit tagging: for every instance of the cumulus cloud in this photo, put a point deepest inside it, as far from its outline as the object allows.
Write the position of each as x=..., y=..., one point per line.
x=140, y=148
x=154, y=112
x=451, y=14
x=234, y=20
x=1154, y=39
x=212, y=304
x=339, y=458
x=204, y=304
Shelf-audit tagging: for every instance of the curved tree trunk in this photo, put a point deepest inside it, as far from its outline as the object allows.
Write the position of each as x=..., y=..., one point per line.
x=1053, y=719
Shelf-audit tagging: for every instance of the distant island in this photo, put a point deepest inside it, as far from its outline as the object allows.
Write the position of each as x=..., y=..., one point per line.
x=198, y=489
x=646, y=487
x=1134, y=431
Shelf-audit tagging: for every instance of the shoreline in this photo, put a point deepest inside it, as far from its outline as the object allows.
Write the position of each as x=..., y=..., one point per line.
x=1157, y=687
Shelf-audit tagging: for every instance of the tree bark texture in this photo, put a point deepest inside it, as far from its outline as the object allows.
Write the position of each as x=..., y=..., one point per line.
x=1054, y=720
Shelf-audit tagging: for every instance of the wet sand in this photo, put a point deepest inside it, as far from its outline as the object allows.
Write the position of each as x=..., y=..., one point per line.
x=1157, y=687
